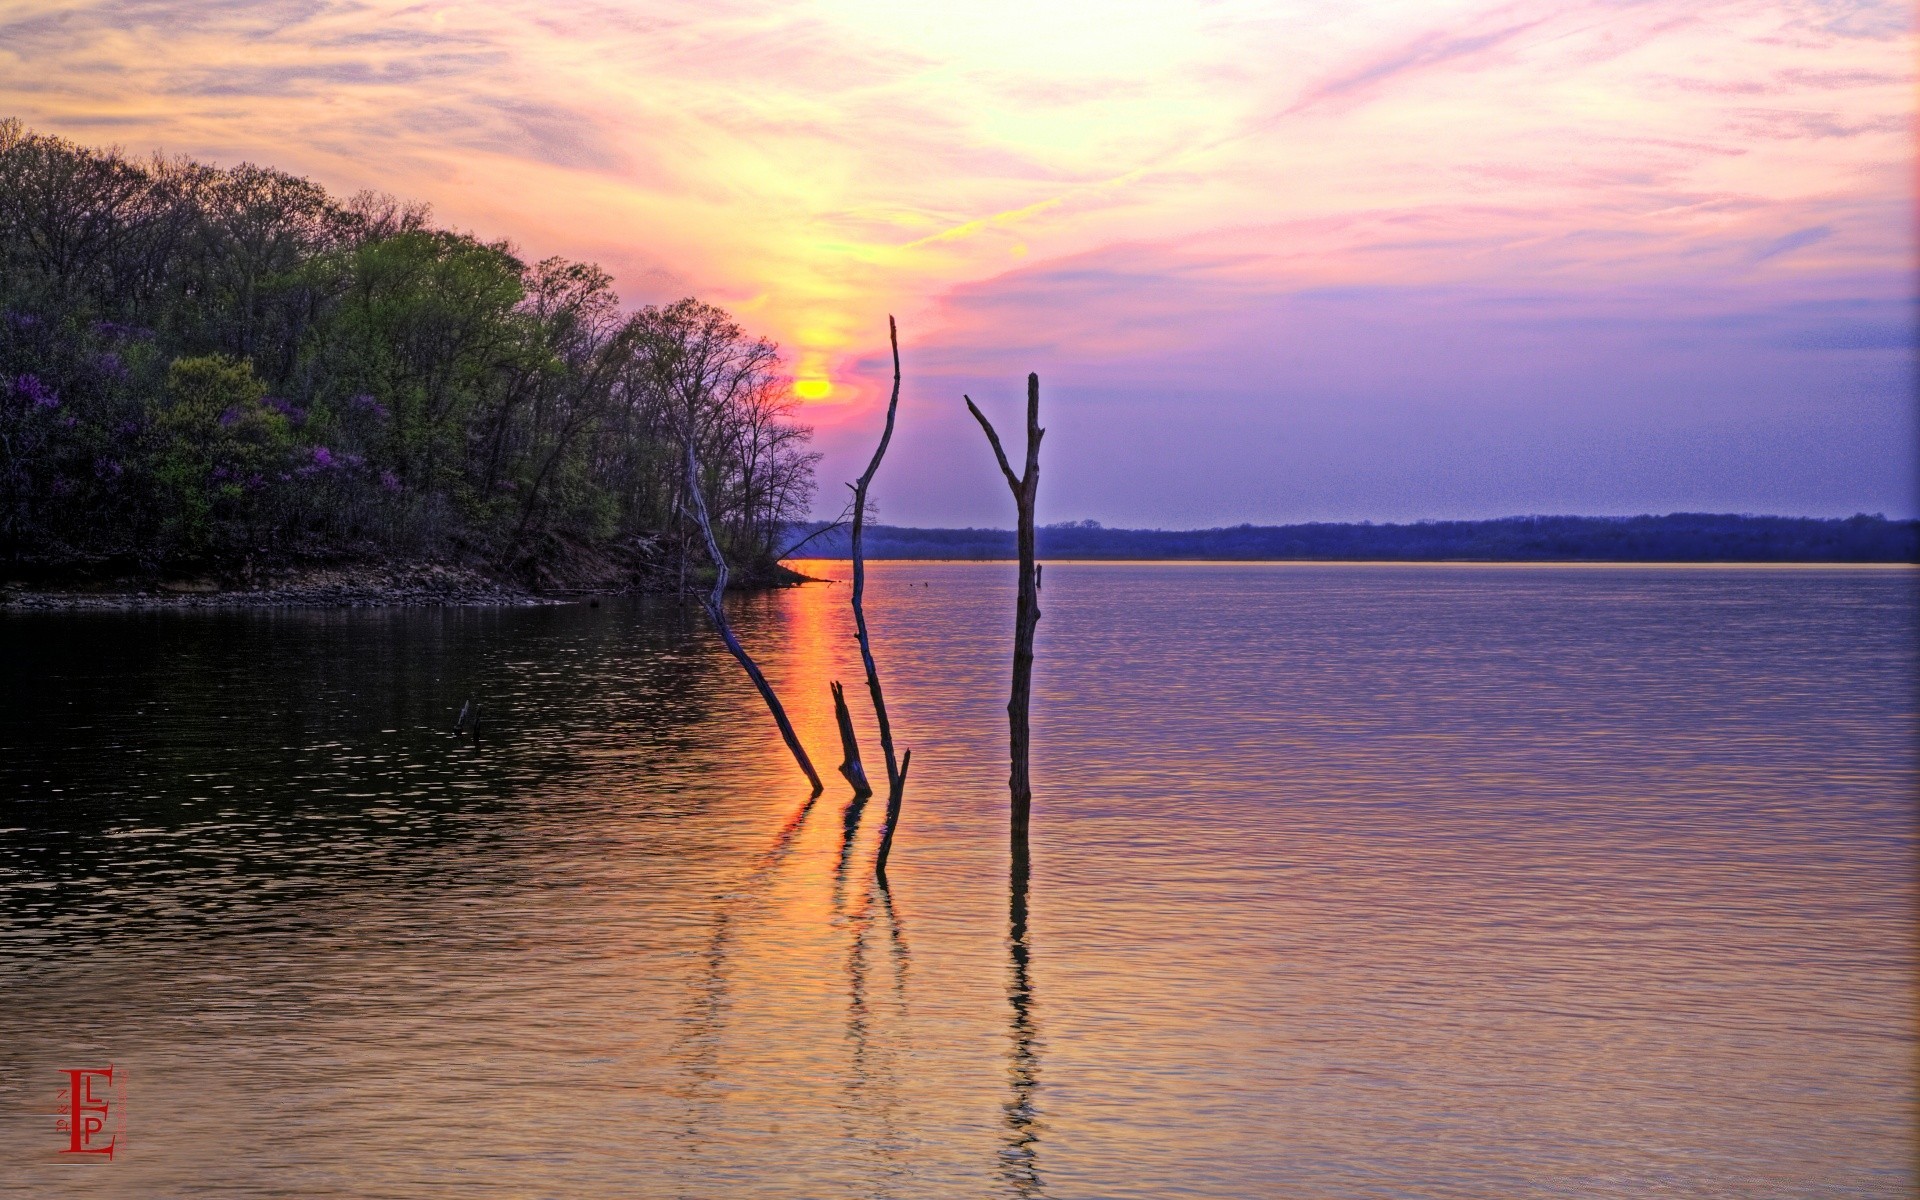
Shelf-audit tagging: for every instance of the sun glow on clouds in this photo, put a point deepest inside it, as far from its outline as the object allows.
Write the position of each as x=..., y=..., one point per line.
x=1115, y=188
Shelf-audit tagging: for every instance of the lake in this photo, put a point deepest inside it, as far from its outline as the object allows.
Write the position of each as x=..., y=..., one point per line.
x=1348, y=881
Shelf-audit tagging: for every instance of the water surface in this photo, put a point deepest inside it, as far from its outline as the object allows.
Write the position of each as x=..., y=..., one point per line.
x=1347, y=881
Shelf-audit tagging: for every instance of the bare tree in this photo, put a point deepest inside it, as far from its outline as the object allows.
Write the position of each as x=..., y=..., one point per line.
x=716, y=612
x=1027, y=611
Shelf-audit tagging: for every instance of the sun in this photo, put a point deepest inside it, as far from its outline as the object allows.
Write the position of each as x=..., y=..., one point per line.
x=813, y=389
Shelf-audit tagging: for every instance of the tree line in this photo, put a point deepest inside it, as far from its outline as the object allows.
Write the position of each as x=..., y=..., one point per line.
x=200, y=364
x=1675, y=537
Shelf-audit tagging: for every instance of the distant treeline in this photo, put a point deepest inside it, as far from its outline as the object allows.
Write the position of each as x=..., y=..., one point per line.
x=200, y=363
x=1678, y=537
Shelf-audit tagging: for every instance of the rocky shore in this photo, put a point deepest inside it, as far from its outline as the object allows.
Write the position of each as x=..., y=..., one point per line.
x=559, y=574
x=355, y=585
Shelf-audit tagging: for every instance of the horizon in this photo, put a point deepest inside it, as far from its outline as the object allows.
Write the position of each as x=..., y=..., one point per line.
x=1278, y=264
x=1093, y=524
x=1646, y=539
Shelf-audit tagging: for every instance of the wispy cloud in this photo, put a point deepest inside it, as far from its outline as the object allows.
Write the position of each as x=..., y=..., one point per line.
x=1787, y=243
x=1428, y=52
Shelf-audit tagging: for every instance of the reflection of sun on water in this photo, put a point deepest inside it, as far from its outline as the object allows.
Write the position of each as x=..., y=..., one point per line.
x=814, y=652
x=817, y=649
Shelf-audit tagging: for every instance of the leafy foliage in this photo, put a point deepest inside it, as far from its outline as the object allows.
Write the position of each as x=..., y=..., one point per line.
x=199, y=363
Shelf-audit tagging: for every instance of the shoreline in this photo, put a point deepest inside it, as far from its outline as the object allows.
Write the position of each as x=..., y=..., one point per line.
x=344, y=585
x=338, y=586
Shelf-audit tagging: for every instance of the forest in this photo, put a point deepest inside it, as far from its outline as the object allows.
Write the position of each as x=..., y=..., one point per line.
x=205, y=367
x=1676, y=537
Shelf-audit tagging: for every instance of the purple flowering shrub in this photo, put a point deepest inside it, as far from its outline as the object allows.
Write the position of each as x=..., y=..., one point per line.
x=321, y=458
x=35, y=393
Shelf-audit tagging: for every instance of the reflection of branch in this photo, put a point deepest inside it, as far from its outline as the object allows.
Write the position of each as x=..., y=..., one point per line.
x=857, y=990
x=873, y=1086
x=1018, y=1162
x=781, y=843
x=896, y=940
x=710, y=1003
x=850, y=829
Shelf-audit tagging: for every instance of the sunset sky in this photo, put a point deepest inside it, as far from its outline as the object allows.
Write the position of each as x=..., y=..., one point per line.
x=1273, y=261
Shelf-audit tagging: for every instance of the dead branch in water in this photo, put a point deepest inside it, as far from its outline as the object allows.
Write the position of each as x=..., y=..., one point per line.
x=895, y=792
x=860, y=565
x=1027, y=610
x=717, y=613
x=896, y=769
x=850, y=764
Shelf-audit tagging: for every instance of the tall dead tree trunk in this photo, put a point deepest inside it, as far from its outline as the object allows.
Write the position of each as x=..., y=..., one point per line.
x=896, y=769
x=1027, y=608
x=717, y=613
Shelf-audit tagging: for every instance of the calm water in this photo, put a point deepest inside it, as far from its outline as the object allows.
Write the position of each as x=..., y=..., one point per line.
x=1348, y=881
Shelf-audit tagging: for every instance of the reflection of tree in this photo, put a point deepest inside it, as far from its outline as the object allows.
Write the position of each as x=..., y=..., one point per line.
x=699, y=1049
x=1019, y=1164
x=781, y=843
x=295, y=760
x=897, y=943
x=873, y=1089
x=849, y=831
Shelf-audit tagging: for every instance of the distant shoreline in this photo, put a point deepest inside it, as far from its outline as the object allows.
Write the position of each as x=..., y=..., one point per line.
x=1673, y=538
x=1701, y=564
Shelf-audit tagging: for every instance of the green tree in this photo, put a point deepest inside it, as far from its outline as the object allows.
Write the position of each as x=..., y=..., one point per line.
x=214, y=441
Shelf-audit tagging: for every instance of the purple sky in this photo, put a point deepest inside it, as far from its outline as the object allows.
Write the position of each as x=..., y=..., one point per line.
x=1396, y=403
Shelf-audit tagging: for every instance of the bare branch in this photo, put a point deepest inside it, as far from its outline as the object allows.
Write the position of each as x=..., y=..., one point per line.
x=860, y=576
x=706, y=527
x=886, y=435
x=894, y=795
x=839, y=521
x=1006, y=468
x=850, y=764
x=1034, y=432
x=717, y=613
x=896, y=771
